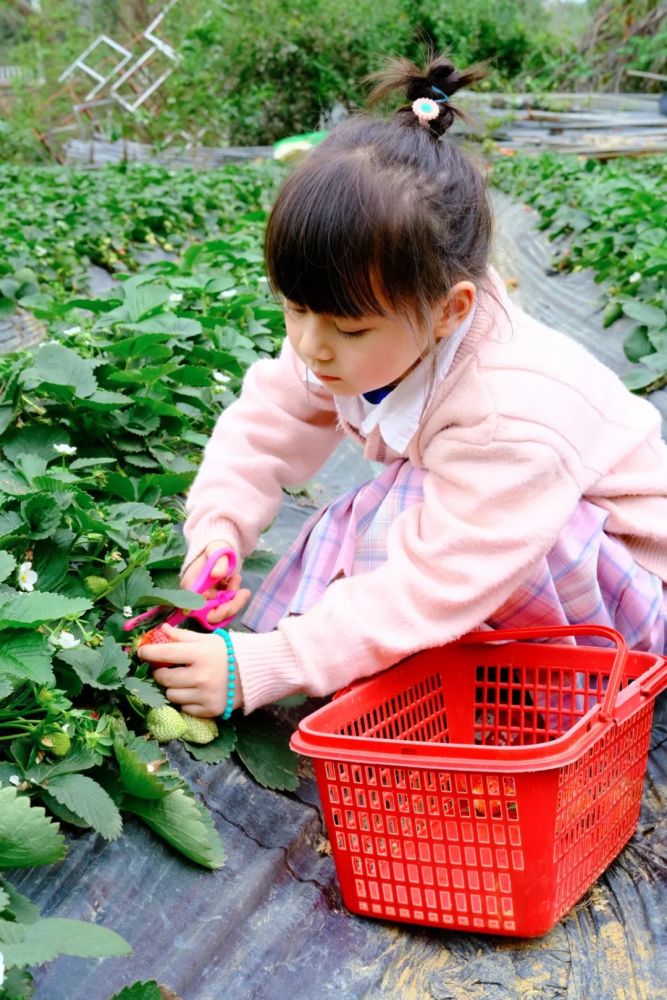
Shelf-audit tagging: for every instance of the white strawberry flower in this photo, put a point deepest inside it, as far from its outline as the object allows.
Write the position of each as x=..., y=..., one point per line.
x=65, y=449
x=65, y=640
x=71, y=330
x=27, y=576
x=127, y=611
x=229, y=293
x=635, y=277
x=176, y=297
x=222, y=378
x=14, y=780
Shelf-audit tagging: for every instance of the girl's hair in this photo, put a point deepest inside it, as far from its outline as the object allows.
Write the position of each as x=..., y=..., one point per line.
x=384, y=214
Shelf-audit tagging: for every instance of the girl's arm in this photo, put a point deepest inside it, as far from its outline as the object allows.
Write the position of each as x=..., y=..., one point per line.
x=278, y=433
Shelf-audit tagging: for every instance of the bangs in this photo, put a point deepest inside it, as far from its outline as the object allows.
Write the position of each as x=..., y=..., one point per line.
x=335, y=243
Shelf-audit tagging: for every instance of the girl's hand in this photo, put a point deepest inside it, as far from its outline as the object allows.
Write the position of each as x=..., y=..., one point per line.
x=221, y=572
x=197, y=682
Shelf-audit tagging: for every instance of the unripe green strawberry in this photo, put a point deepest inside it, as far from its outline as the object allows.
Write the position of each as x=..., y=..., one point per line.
x=199, y=730
x=166, y=723
x=96, y=584
x=57, y=743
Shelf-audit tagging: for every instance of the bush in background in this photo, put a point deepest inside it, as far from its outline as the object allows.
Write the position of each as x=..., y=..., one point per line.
x=254, y=86
x=252, y=72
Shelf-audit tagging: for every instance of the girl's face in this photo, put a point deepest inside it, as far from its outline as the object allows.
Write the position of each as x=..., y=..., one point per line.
x=351, y=356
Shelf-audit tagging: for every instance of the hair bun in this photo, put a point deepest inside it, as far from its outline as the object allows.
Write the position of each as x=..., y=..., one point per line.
x=438, y=81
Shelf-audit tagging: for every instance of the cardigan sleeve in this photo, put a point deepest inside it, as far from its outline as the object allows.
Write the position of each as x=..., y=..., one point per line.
x=490, y=513
x=278, y=433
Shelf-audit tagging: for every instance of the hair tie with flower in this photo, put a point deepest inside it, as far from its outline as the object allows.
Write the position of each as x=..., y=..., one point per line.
x=426, y=108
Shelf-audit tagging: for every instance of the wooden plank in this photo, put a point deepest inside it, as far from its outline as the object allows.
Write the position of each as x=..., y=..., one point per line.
x=588, y=121
x=646, y=74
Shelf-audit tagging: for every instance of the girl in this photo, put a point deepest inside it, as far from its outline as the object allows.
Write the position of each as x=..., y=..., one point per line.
x=524, y=484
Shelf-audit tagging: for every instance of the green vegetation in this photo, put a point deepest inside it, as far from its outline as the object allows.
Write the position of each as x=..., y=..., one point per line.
x=238, y=85
x=55, y=223
x=101, y=431
x=611, y=217
x=26, y=938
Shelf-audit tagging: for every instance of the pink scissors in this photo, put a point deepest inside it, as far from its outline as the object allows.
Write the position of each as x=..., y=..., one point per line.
x=203, y=583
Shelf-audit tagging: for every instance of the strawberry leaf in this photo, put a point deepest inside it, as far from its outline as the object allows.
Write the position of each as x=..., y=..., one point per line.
x=79, y=759
x=148, y=990
x=27, y=836
x=218, y=749
x=25, y=656
x=23, y=911
x=643, y=312
x=87, y=800
x=139, y=762
x=7, y=565
x=104, y=667
x=184, y=823
x=19, y=610
x=146, y=691
x=55, y=365
x=43, y=940
x=263, y=748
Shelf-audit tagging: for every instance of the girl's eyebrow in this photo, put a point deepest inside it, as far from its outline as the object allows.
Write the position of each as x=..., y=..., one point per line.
x=365, y=320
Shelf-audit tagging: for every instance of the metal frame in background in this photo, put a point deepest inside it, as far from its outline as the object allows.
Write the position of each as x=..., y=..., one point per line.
x=103, y=84
x=156, y=45
x=102, y=81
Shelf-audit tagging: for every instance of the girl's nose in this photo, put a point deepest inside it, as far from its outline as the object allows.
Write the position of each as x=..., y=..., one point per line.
x=314, y=343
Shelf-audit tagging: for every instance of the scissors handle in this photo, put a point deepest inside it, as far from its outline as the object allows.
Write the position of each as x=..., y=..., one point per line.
x=203, y=582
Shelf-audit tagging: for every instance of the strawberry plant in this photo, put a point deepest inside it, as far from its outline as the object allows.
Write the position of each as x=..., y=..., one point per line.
x=101, y=431
x=56, y=223
x=29, y=837
x=611, y=217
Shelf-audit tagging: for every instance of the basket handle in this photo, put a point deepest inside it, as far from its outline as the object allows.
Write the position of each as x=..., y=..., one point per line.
x=556, y=631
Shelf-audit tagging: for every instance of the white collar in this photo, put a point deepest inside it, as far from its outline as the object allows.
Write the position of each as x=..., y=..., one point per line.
x=400, y=412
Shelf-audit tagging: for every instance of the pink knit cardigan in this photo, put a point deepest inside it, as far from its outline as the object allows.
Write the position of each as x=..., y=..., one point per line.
x=524, y=424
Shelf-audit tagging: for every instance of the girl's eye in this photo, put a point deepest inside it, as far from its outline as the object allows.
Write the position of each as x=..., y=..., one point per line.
x=351, y=333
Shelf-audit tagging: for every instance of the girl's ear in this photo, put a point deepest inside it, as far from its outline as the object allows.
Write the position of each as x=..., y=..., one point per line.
x=451, y=311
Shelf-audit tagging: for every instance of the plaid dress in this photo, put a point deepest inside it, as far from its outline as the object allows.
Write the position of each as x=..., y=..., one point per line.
x=588, y=576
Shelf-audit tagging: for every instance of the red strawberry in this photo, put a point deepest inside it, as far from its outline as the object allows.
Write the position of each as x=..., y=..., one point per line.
x=154, y=636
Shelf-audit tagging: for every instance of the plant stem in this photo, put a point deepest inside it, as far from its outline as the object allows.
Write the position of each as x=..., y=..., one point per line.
x=31, y=403
x=122, y=575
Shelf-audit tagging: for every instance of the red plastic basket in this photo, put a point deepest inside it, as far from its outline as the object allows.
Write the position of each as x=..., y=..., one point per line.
x=485, y=785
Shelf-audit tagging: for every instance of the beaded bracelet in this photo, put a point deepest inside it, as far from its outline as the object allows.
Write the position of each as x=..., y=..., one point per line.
x=231, y=671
